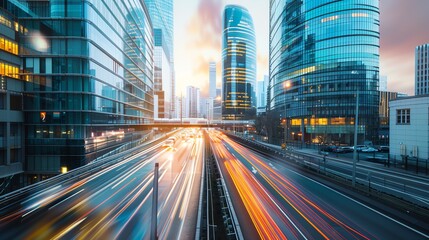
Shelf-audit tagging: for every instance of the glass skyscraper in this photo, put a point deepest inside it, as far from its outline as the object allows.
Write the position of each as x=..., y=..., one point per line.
x=321, y=53
x=88, y=72
x=422, y=70
x=161, y=14
x=238, y=64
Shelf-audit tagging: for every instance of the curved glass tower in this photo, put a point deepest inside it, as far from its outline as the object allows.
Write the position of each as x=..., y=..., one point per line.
x=239, y=64
x=321, y=53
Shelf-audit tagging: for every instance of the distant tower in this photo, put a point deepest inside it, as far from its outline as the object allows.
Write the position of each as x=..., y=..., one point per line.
x=261, y=94
x=192, y=103
x=238, y=64
x=212, y=80
x=422, y=70
x=383, y=84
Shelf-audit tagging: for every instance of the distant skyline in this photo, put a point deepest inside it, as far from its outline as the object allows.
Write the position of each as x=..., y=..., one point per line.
x=198, y=32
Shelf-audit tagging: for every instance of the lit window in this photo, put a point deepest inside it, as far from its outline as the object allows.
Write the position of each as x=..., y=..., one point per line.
x=359, y=14
x=338, y=121
x=9, y=70
x=331, y=18
x=296, y=122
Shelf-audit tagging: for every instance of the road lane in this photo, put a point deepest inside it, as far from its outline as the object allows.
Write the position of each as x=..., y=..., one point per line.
x=317, y=210
x=114, y=202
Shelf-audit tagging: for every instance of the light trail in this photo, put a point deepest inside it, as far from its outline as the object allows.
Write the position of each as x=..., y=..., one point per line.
x=297, y=203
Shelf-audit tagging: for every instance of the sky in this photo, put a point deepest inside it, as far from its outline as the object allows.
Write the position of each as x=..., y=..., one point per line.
x=198, y=35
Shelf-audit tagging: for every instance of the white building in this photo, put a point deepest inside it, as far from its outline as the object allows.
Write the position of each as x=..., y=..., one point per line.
x=192, y=102
x=212, y=80
x=422, y=70
x=409, y=128
x=212, y=90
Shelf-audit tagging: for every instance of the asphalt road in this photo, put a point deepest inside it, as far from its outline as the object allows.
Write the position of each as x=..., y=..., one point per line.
x=283, y=203
x=116, y=202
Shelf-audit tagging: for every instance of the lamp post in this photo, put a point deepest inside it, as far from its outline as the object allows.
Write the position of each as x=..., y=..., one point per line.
x=286, y=86
x=355, y=139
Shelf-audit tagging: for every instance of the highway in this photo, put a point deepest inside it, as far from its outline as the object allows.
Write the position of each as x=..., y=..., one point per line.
x=115, y=202
x=411, y=187
x=282, y=203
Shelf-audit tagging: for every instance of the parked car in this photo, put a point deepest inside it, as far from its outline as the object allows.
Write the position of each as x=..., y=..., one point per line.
x=330, y=148
x=338, y=150
x=359, y=148
x=346, y=149
x=383, y=148
x=369, y=149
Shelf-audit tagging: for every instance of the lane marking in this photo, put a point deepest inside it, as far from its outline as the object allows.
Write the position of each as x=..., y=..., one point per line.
x=363, y=205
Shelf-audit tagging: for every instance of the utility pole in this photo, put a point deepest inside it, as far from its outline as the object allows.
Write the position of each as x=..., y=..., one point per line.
x=355, y=139
x=154, y=220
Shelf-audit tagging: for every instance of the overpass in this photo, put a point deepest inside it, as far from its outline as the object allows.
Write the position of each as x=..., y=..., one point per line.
x=201, y=122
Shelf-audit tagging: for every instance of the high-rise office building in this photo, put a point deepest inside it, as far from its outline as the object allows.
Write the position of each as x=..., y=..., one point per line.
x=261, y=94
x=422, y=70
x=161, y=14
x=11, y=105
x=212, y=90
x=238, y=64
x=217, y=105
x=192, y=102
x=212, y=80
x=321, y=54
x=88, y=71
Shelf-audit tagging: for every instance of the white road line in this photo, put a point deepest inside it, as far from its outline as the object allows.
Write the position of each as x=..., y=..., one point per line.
x=363, y=205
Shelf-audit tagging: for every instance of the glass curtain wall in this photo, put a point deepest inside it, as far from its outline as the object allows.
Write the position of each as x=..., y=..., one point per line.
x=321, y=53
x=88, y=67
x=238, y=64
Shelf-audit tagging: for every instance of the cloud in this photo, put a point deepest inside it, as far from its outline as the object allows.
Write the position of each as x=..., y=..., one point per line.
x=403, y=26
x=203, y=35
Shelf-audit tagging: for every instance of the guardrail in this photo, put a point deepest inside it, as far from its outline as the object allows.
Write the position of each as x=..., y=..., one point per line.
x=230, y=220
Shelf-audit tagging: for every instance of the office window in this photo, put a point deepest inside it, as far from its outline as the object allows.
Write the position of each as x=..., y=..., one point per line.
x=16, y=102
x=403, y=116
x=2, y=100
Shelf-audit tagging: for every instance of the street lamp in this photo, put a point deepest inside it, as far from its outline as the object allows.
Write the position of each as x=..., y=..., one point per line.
x=286, y=85
x=355, y=139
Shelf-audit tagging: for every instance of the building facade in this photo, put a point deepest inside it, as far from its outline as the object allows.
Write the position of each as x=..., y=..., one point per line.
x=212, y=80
x=422, y=70
x=321, y=54
x=261, y=95
x=409, y=129
x=161, y=14
x=217, y=105
x=238, y=64
x=192, y=102
x=11, y=105
x=212, y=90
x=87, y=68
x=384, y=112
